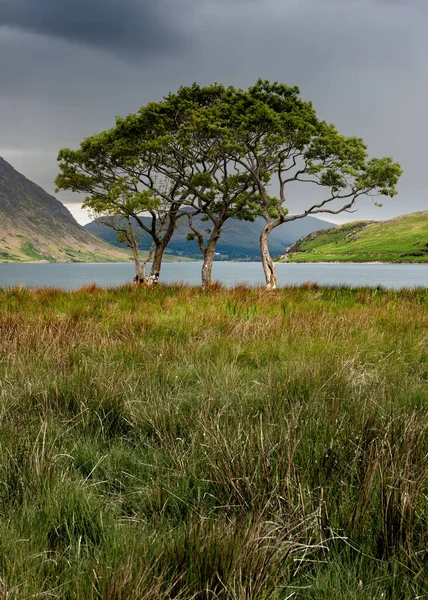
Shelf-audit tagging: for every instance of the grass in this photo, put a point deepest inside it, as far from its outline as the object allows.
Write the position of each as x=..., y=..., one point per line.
x=31, y=252
x=231, y=444
x=404, y=239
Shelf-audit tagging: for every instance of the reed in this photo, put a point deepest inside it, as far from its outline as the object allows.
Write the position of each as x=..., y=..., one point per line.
x=231, y=444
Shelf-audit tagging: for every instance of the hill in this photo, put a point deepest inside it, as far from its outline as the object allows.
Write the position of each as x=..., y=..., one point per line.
x=239, y=239
x=403, y=239
x=35, y=226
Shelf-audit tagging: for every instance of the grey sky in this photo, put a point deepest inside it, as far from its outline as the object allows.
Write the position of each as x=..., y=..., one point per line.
x=69, y=66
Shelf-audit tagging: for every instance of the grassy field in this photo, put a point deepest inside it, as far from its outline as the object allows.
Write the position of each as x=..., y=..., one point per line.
x=404, y=239
x=231, y=444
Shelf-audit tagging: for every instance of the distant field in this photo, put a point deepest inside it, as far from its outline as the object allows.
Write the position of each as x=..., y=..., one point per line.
x=232, y=444
x=404, y=239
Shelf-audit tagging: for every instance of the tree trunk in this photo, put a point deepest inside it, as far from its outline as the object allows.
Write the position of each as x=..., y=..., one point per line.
x=141, y=277
x=157, y=263
x=140, y=270
x=209, y=253
x=268, y=264
x=159, y=251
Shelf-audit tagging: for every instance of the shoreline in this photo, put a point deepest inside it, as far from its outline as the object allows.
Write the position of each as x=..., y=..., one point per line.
x=285, y=262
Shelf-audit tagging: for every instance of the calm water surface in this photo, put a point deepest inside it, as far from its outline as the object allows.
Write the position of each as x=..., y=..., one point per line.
x=72, y=276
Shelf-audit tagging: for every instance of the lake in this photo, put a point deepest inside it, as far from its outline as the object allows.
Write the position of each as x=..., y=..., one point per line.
x=71, y=276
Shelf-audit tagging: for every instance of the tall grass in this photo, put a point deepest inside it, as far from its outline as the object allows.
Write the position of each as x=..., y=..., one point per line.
x=231, y=444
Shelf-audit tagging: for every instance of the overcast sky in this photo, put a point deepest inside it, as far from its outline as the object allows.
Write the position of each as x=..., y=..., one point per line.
x=69, y=66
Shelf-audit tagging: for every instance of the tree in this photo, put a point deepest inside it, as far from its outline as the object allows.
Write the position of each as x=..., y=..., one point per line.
x=126, y=235
x=222, y=197
x=271, y=133
x=121, y=187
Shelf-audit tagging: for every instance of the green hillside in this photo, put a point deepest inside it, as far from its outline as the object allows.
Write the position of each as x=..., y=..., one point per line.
x=404, y=239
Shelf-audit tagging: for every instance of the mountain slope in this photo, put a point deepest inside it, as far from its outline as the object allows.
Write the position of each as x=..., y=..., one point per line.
x=239, y=239
x=404, y=239
x=36, y=226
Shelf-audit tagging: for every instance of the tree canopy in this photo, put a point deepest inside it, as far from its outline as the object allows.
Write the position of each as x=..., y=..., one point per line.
x=223, y=153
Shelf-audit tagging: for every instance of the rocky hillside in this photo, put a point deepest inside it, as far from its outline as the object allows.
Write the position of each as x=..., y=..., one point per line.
x=403, y=239
x=35, y=226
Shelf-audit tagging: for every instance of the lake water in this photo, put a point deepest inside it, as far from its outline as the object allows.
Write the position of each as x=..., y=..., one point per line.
x=75, y=275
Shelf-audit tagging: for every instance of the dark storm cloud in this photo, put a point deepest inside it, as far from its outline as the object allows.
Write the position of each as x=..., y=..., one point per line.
x=125, y=26
x=362, y=62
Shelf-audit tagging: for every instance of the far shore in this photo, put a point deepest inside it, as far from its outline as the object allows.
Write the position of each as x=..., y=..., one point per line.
x=284, y=262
